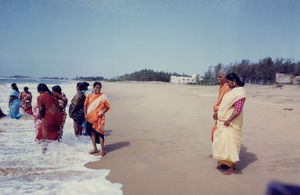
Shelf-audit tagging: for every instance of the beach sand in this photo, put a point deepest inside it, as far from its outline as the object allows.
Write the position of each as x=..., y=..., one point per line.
x=158, y=139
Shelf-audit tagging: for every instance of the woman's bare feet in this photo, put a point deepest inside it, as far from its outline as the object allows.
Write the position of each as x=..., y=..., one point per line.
x=93, y=151
x=230, y=171
x=222, y=167
x=101, y=153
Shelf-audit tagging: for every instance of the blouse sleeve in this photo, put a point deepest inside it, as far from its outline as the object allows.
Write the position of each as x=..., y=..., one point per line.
x=238, y=105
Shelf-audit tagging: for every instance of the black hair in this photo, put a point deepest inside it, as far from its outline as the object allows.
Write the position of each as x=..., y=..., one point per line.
x=78, y=84
x=25, y=88
x=14, y=86
x=85, y=84
x=42, y=87
x=81, y=86
x=232, y=77
x=57, y=89
x=97, y=83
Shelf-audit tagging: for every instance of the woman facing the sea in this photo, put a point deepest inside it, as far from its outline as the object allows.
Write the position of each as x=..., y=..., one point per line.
x=227, y=137
x=49, y=113
x=14, y=102
x=26, y=99
x=62, y=102
x=76, y=109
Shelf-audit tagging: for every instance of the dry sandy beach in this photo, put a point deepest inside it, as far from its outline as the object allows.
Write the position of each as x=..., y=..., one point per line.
x=158, y=139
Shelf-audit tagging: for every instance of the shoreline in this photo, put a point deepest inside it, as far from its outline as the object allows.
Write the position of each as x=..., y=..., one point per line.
x=158, y=139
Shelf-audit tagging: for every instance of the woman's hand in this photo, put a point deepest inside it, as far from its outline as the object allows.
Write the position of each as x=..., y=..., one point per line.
x=227, y=123
x=215, y=115
x=101, y=114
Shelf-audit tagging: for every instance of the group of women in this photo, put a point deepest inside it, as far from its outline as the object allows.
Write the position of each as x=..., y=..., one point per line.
x=90, y=108
x=49, y=114
x=19, y=100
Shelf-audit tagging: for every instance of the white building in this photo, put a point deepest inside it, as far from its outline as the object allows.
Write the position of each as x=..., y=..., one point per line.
x=282, y=78
x=185, y=80
x=287, y=79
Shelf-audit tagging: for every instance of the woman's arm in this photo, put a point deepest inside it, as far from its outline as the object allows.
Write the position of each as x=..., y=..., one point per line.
x=103, y=112
x=85, y=112
x=238, y=107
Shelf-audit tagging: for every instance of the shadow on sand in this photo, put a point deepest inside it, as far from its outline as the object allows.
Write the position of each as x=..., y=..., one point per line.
x=115, y=146
x=107, y=132
x=246, y=158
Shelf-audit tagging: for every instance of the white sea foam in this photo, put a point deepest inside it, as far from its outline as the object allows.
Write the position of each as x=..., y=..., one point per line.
x=24, y=168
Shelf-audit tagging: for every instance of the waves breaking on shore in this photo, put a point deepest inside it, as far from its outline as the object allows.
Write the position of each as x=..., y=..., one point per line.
x=26, y=167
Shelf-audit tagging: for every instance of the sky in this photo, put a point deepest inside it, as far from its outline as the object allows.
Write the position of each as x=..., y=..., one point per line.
x=69, y=38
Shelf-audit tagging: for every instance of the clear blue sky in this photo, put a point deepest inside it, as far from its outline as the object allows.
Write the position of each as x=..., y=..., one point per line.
x=112, y=37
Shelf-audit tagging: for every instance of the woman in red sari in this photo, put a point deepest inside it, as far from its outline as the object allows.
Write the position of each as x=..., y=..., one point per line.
x=49, y=114
x=95, y=107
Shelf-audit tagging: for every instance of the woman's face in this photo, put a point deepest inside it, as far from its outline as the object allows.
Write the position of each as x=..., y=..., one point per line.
x=97, y=89
x=221, y=78
x=231, y=84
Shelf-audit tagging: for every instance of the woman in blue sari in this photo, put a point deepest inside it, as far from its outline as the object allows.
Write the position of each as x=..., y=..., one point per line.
x=14, y=102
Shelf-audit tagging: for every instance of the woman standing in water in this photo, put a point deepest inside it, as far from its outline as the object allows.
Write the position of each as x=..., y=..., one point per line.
x=76, y=109
x=227, y=137
x=26, y=99
x=95, y=107
x=49, y=113
x=14, y=102
x=62, y=102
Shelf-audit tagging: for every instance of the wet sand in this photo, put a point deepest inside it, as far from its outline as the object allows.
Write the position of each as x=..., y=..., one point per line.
x=158, y=139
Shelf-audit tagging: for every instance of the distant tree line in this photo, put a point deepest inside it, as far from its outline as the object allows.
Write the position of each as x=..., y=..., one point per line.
x=146, y=75
x=262, y=72
x=91, y=78
x=141, y=75
x=55, y=78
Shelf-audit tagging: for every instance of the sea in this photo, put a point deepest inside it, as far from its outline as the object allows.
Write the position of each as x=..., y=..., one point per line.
x=25, y=168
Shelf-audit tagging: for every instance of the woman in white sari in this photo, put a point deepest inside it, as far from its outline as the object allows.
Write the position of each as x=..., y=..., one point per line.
x=227, y=137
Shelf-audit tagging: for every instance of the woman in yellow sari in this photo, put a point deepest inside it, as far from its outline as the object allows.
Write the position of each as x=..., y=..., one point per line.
x=227, y=137
x=95, y=107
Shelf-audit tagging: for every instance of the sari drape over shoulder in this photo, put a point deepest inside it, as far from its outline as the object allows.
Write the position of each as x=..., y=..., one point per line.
x=78, y=113
x=226, y=145
x=14, y=106
x=96, y=104
x=51, y=117
x=223, y=89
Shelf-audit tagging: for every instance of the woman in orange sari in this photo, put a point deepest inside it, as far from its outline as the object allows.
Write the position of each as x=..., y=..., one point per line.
x=95, y=107
x=49, y=114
